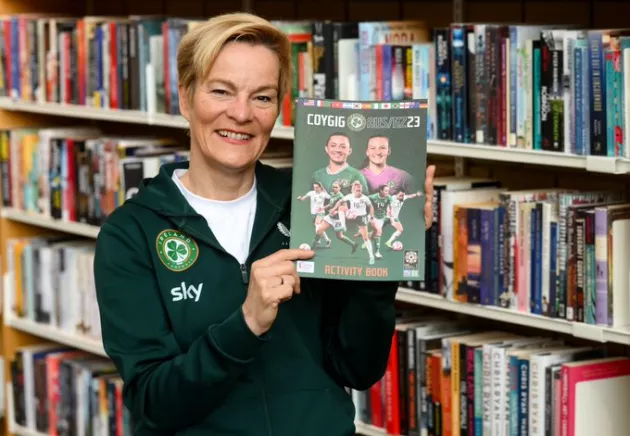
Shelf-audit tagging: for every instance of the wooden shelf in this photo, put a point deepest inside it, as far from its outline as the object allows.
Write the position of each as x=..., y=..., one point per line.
x=55, y=334
x=618, y=335
x=369, y=430
x=47, y=222
x=594, y=164
x=121, y=116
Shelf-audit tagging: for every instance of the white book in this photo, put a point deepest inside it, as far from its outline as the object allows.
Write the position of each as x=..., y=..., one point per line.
x=547, y=214
x=487, y=380
x=620, y=277
x=537, y=388
x=499, y=380
x=524, y=257
x=347, y=68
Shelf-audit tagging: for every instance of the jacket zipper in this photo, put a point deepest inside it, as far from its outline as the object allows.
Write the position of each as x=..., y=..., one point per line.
x=245, y=278
x=244, y=275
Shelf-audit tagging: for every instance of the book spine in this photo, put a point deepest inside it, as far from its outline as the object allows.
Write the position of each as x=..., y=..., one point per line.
x=586, y=106
x=498, y=390
x=558, y=115
x=513, y=408
x=458, y=44
x=487, y=390
x=487, y=257
x=548, y=400
x=401, y=347
x=514, y=55
x=590, y=270
x=546, y=82
x=443, y=83
x=461, y=416
x=377, y=59
x=536, y=76
x=578, y=99
x=501, y=258
x=579, y=267
x=553, y=267
x=397, y=80
x=601, y=262
x=492, y=83
x=538, y=261
x=479, y=392
x=408, y=72
x=386, y=68
x=597, y=88
x=528, y=98
x=412, y=384
x=468, y=428
x=471, y=91
x=474, y=256
x=523, y=393
x=480, y=85
x=503, y=106
x=319, y=59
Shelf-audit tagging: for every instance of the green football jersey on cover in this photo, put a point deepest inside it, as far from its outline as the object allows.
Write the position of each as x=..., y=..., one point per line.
x=344, y=177
x=380, y=205
x=334, y=198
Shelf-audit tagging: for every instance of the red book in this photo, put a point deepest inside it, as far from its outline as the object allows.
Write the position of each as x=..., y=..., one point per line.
x=595, y=396
x=392, y=394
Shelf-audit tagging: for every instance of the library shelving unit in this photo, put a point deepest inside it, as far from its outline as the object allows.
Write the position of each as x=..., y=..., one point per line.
x=515, y=167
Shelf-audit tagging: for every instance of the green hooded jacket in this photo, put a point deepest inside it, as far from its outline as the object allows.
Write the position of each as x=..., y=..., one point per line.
x=170, y=304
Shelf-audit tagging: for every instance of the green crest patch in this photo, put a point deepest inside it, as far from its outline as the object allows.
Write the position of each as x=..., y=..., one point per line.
x=177, y=251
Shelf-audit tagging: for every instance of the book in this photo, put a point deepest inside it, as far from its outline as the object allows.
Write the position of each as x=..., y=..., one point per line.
x=358, y=189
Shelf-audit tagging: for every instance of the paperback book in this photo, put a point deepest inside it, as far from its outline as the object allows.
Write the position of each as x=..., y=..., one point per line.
x=358, y=189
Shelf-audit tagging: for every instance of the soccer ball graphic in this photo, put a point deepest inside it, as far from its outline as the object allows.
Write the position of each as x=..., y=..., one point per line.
x=397, y=246
x=305, y=246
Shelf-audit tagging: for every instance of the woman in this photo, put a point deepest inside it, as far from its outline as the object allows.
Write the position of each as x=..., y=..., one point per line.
x=201, y=308
x=378, y=172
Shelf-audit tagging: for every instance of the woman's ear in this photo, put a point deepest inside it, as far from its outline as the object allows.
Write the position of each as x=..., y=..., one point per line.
x=183, y=102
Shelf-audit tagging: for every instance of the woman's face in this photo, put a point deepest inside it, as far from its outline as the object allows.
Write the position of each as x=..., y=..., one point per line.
x=235, y=108
x=378, y=150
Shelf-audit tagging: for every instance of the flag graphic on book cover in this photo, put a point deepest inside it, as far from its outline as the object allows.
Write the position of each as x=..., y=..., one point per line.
x=358, y=189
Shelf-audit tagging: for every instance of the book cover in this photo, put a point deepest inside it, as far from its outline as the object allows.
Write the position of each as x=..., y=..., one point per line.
x=358, y=189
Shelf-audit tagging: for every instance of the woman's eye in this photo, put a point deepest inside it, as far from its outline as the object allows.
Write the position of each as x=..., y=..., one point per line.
x=264, y=98
x=219, y=91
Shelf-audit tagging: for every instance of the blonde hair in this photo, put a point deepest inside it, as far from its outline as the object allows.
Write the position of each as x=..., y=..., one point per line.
x=199, y=48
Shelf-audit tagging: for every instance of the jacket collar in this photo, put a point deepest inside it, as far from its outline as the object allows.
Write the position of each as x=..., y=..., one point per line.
x=161, y=195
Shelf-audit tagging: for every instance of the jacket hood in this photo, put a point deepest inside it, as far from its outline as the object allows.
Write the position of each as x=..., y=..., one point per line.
x=161, y=195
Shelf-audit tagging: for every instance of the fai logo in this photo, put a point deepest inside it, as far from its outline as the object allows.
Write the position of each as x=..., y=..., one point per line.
x=356, y=122
x=283, y=229
x=285, y=232
x=184, y=292
x=176, y=251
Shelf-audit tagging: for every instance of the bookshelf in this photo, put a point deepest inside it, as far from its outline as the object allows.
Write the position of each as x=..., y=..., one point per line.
x=516, y=167
x=591, y=164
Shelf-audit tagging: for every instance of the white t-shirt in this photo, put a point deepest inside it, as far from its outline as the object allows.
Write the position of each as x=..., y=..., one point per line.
x=317, y=201
x=396, y=205
x=359, y=205
x=231, y=221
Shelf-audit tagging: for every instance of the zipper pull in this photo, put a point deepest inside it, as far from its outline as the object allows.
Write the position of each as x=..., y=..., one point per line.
x=244, y=273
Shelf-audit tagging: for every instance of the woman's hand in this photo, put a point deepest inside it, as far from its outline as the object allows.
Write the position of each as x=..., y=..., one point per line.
x=428, y=197
x=273, y=279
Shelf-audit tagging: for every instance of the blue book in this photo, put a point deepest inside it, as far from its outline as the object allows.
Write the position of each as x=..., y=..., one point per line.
x=487, y=238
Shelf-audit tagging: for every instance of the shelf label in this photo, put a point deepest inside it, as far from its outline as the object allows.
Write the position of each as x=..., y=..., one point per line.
x=602, y=164
x=588, y=332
